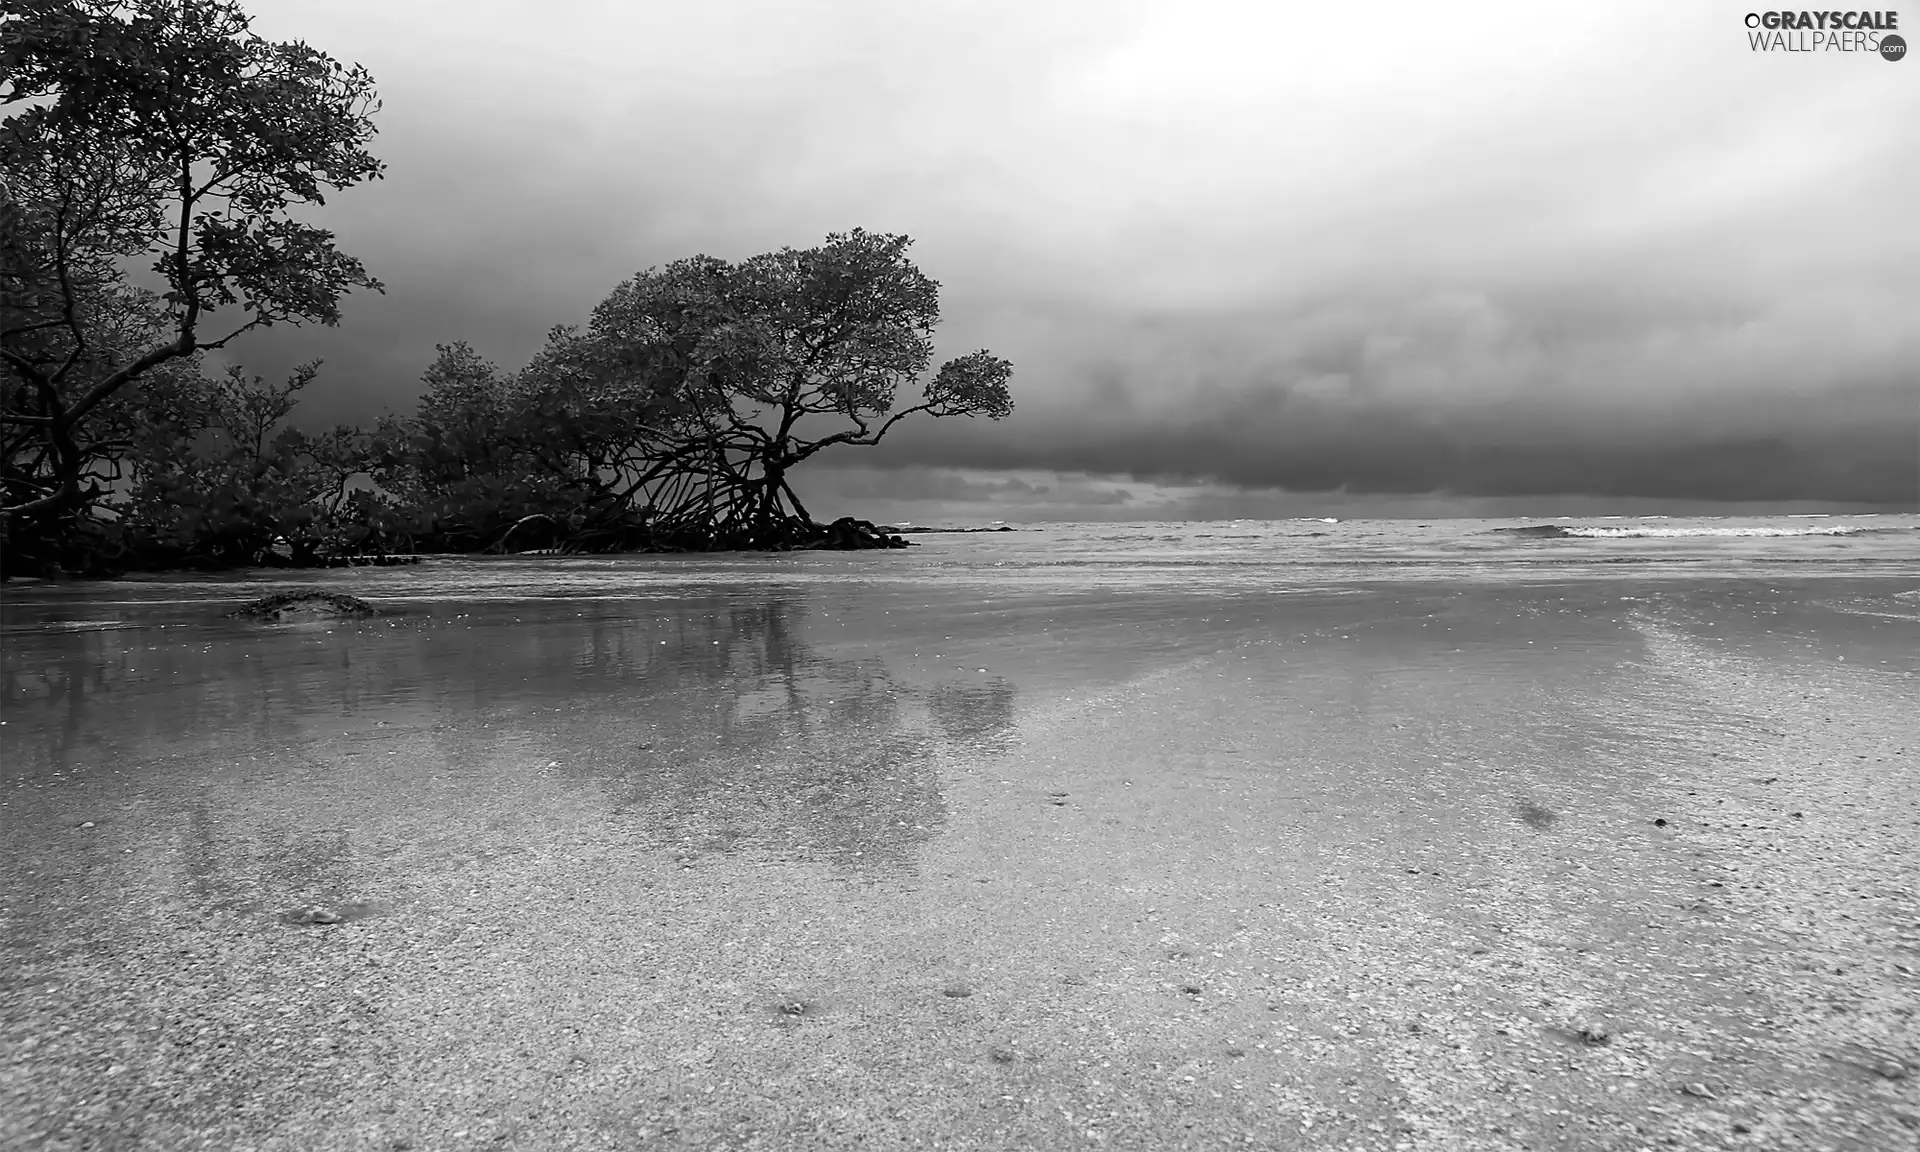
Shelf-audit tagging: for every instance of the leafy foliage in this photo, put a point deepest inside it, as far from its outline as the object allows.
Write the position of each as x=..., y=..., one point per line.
x=161, y=131
x=750, y=369
x=249, y=484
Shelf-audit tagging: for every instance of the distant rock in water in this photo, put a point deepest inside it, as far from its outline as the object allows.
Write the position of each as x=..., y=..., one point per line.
x=306, y=605
x=1540, y=531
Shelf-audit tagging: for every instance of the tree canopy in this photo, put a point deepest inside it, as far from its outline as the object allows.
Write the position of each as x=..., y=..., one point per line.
x=159, y=138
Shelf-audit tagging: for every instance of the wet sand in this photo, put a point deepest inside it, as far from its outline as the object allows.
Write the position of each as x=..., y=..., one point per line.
x=1605, y=865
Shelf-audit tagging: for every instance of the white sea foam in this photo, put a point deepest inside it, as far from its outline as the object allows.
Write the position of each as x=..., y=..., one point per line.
x=1605, y=531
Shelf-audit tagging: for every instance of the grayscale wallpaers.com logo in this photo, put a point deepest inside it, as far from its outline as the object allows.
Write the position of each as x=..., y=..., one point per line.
x=1827, y=32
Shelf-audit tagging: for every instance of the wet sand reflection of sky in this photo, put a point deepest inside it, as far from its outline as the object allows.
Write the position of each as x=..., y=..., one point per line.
x=716, y=724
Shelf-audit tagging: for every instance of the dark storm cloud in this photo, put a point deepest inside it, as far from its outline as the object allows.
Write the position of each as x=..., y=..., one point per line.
x=1483, y=249
x=1800, y=394
x=942, y=484
x=1387, y=452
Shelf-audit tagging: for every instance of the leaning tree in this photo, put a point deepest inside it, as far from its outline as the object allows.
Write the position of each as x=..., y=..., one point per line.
x=674, y=419
x=731, y=375
x=163, y=133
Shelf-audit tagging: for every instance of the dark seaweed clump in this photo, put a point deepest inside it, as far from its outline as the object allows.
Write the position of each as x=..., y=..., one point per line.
x=323, y=605
x=1534, y=815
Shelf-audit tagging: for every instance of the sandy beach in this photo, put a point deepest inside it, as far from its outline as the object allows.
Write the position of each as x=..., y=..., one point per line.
x=1595, y=864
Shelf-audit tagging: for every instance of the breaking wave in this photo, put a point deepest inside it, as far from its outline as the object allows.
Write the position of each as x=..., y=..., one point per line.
x=1617, y=532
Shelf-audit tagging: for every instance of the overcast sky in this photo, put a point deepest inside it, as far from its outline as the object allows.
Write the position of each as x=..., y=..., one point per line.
x=1247, y=259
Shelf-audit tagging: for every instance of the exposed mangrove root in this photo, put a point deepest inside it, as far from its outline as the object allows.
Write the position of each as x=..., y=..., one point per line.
x=848, y=534
x=500, y=545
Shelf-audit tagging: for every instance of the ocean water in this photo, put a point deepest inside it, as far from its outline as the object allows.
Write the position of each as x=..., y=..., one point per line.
x=1044, y=610
x=1228, y=557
